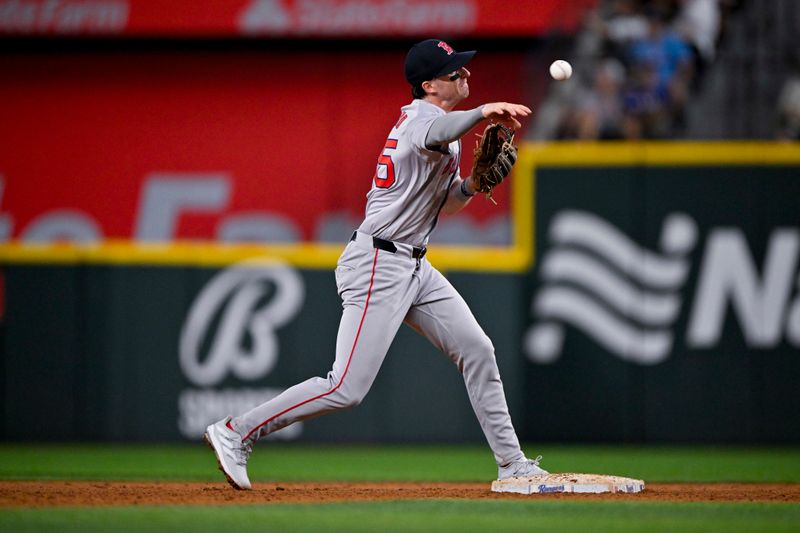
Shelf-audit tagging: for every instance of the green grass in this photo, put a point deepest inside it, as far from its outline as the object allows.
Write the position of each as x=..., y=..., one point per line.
x=424, y=463
x=400, y=463
x=441, y=516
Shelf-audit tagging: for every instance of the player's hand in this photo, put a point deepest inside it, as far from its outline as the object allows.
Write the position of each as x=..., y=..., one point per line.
x=505, y=113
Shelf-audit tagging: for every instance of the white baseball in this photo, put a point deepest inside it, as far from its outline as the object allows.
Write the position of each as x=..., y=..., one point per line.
x=560, y=70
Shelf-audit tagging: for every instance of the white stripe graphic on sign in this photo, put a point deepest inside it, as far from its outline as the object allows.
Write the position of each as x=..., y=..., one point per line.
x=598, y=280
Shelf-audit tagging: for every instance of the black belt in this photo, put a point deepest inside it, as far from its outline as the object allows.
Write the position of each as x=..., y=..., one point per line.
x=389, y=246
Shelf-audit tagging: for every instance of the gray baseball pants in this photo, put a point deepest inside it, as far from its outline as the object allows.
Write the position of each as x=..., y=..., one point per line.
x=380, y=290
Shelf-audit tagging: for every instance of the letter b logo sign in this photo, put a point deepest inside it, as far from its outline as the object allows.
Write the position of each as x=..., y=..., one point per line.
x=245, y=301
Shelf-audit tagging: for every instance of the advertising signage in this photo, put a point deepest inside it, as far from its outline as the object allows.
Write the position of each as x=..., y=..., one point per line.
x=289, y=18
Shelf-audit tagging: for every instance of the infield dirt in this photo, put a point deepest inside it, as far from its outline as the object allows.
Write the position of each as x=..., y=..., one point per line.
x=102, y=493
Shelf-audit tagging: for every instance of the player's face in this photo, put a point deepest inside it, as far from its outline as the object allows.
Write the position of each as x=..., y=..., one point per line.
x=453, y=86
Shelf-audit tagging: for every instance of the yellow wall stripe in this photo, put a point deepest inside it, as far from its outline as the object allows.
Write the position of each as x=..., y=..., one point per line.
x=212, y=254
x=663, y=153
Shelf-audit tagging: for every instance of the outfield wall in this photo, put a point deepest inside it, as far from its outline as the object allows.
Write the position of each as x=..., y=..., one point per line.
x=664, y=305
x=647, y=293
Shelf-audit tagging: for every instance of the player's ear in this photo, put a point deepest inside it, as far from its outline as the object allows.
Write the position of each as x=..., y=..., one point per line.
x=427, y=86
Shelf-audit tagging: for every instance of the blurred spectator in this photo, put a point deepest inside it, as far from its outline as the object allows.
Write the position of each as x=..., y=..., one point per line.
x=699, y=23
x=623, y=23
x=789, y=106
x=646, y=105
x=664, y=56
x=664, y=52
x=598, y=113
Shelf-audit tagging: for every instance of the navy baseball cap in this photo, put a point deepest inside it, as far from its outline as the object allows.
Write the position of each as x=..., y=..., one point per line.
x=433, y=58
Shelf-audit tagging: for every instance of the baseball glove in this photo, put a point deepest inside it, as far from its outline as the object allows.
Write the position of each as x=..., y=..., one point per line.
x=495, y=154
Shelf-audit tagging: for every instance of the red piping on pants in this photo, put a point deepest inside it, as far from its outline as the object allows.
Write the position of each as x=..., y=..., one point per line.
x=349, y=359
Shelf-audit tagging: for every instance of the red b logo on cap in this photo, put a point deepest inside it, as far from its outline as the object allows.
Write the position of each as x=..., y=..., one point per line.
x=446, y=47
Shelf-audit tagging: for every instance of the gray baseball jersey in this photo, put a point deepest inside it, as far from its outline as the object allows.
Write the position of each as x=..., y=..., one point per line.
x=411, y=182
x=387, y=282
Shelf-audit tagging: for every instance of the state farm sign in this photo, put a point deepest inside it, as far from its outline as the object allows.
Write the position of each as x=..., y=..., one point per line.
x=293, y=18
x=63, y=16
x=375, y=17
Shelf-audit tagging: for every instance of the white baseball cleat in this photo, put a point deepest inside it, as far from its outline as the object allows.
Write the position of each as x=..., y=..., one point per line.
x=524, y=468
x=232, y=454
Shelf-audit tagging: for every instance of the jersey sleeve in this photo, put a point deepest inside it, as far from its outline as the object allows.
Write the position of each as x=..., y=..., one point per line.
x=452, y=126
x=417, y=130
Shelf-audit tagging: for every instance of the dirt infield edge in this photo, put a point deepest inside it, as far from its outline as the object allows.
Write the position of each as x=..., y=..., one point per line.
x=125, y=493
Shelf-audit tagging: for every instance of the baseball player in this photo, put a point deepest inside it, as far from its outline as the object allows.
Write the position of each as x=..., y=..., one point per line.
x=384, y=279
